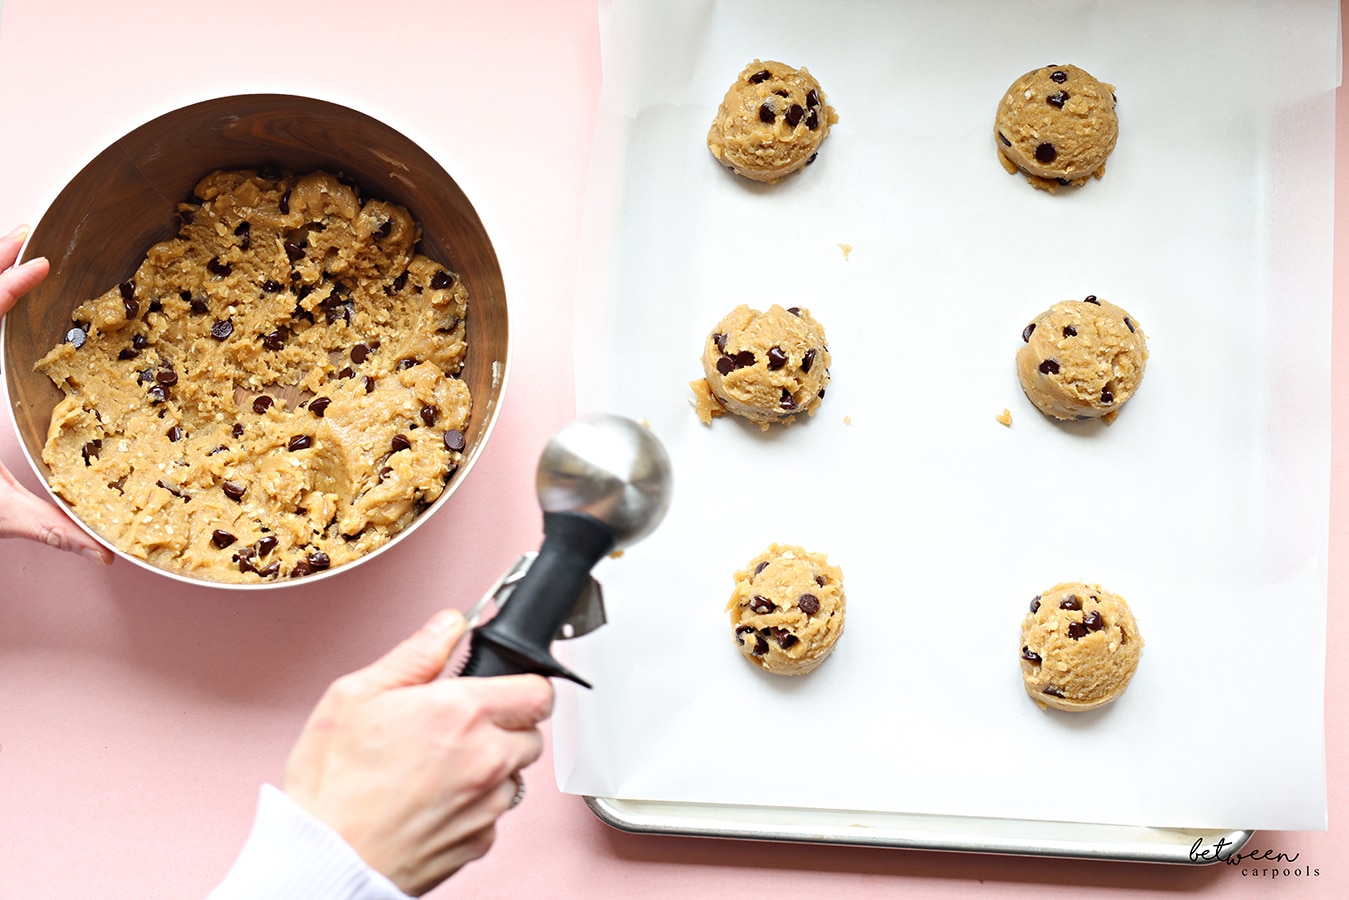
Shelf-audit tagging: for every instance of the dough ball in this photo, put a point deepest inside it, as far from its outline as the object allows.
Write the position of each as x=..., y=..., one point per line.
x=1082, y=359
x=1056, y=124
x=1080, y=647
x=787, y=610
x=763, y=366
x=771, y=122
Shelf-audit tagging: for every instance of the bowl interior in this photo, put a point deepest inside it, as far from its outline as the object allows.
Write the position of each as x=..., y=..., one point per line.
x=98, y=229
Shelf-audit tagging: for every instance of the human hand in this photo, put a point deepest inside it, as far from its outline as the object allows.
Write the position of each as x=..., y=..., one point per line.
x=412, y=770
x=22, y=514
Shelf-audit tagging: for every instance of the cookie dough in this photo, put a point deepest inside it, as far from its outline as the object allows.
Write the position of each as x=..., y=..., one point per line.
x=1082, y=359
x=764, y=366
x=1057, y=125
x=771, y=122
x=272, y=393
x=787, y=610
x=1080, y=647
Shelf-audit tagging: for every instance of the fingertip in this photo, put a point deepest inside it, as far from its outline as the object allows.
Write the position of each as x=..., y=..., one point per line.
x=445, y=622
x=98, y=554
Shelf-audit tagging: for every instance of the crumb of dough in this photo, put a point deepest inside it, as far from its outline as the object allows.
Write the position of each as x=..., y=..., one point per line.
x=847, y=420
x=1005, y=418
x=704, y=402
x=847, y=251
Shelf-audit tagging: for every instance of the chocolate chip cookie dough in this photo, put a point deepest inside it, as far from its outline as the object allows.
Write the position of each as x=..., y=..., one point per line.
x=1082, y=359
x=787, y=610
x=1056, y=124
x=771, y=122
x=1080, y=647
x=763, y=366
x=272, y=393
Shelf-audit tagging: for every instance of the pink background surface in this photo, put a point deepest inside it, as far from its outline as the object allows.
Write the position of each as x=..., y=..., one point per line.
x=138, y=716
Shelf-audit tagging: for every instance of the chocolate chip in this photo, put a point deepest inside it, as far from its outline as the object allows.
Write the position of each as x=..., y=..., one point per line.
x=1027, y=332
x=1057, y=99
x=127, y=353
x=1053, y=692
x=1076, y=630
x=299, y=442
x=782, y=93
x=454, y=439
x=405, y=364
x=91, y=450
x=318, y=405
x=155, y=306
x=234, y=490
x=776, y=359
x=1002, y=137
x=808, y=604
x=813, y=119
x=221, y=330
x=347, y=372
x=1030, y=655
x=369, y=383
x=812, y=98
x=1049, y=367
x=284, y=203
x=383, y=231
x=294, y=251
x=217, y=267
x=786, y=640
x=1093, y=621
x=1130, y=324
x=794, y=310
x=166, y=376
x=1046, y=153
x=272, y=287
x=301, y=569
x=1063, y=181
x=1035, y=603
x=157, y=394
x=261, y=404
x=222, y=539
x=175, y=434
x=808, y=360
x=740, y=632
x=140, y=342
x=760, y=76
x=1091, y=298
x=429, y=414
x=270, y=570
x=1069, y=331
x=441, y=280
x=1106, y=396
x=318, y=559
x=794, y=114
x=174, y=490
x=244, y=235
x=787, y=401
x=237, y=430
x=744, y=359
x=274, y=340
x=400, y=442
x=766, y=114
x=1058, y=77
x=385, y=472
x=399, y=283
x=359, y=353
x=762, y=605
x=725, y=365
x=198, y=306
x=1070, y=602
x=77, y=337
x=821, y=580
x=760, y=567
x=810, y=159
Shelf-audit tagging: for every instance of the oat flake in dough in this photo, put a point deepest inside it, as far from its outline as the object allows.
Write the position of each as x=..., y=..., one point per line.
x=272, y=393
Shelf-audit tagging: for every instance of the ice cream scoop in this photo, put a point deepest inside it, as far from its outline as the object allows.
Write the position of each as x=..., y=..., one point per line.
x=603, y=484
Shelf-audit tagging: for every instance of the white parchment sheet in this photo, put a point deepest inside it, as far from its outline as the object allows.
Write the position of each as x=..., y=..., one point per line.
x=1205, y=504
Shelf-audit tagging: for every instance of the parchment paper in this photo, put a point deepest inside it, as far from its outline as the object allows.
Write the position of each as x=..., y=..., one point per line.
x=1205, y=504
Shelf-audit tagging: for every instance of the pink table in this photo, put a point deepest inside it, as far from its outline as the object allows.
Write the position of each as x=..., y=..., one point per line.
x=137, y=717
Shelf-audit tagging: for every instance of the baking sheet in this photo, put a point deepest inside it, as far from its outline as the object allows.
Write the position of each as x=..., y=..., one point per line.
x=1205, y=504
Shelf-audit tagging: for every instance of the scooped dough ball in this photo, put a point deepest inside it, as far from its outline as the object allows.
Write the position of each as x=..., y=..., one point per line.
x=763, y=366
x=1082, y=359
x=1057, y=124
x=771, y=122
x=1080, y=647
x=787, y=610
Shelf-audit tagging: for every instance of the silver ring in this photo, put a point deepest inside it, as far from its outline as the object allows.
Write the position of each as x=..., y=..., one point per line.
x=519, y=788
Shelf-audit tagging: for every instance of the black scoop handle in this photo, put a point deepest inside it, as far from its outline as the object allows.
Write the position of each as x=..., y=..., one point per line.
x=517, y=639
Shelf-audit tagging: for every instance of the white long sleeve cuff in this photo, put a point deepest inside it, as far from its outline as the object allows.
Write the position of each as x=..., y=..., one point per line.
x=290, y=855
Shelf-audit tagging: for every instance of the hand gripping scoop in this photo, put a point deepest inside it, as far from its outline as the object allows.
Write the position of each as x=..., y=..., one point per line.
x=604, y=484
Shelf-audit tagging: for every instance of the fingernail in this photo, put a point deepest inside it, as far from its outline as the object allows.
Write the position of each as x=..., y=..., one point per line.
x=91, y=553
x=443, y=621
x=32, y=262
x=19, y=233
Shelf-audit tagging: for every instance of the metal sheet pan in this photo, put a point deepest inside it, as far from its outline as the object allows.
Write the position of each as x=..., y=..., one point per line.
x=960, y=834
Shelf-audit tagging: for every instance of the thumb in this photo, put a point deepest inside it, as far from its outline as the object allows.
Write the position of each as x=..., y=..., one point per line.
x=23, y=515
x=418, y=659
